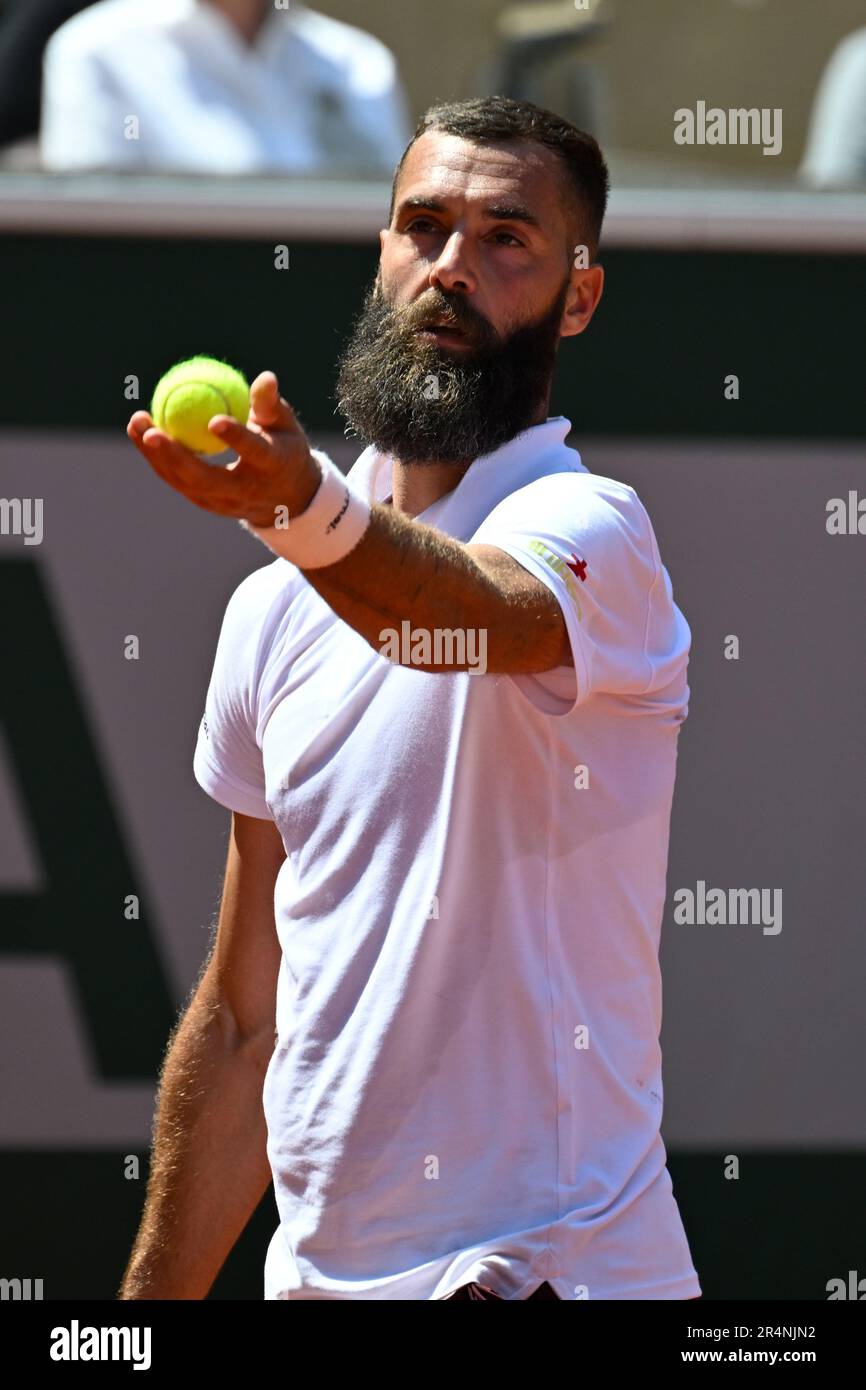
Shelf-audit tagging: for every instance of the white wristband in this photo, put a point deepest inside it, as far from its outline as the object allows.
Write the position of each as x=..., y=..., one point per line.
x=328, y=528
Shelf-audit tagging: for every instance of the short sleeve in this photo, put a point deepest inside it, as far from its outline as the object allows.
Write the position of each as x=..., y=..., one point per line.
x=228, y=761
x=590, y=541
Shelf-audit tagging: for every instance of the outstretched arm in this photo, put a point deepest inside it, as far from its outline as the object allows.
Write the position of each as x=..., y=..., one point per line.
x=400, y=570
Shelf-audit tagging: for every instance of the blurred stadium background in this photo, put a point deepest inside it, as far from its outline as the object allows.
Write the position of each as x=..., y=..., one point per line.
x=719, y=260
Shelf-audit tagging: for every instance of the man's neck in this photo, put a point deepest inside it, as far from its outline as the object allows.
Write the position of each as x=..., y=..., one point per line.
x=416, y=486
x=247, y=16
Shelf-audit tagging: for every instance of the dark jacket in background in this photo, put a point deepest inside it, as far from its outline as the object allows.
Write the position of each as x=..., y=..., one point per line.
x=25, y=28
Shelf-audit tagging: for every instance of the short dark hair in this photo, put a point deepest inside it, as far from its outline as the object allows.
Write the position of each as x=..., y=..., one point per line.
x=496, y=119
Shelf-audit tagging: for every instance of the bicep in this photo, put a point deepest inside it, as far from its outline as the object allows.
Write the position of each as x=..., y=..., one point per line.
x=527, y=634
x=241, y=974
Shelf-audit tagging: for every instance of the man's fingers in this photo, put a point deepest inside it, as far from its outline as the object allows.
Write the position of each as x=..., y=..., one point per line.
x=267, y=406
x=252, y=446
x=182, y=467
x=207, y=487
x=138, y=423
x=167, y=455
x=173, y=461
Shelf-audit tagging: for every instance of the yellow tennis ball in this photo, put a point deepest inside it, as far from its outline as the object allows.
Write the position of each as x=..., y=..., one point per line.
x=191, y=393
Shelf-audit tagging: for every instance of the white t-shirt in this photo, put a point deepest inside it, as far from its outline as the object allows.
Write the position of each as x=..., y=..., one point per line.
x=466, y=1082
x=310, y=94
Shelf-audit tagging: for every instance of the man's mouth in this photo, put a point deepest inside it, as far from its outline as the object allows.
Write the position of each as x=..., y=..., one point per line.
x=445, y=334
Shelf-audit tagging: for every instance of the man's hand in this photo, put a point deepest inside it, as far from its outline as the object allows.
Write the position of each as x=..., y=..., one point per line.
x=400, y=569
x=274, y=469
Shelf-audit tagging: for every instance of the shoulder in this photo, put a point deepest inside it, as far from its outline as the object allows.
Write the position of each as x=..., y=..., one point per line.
x=851, y=51
x=257, y=611
x=343, y=44
x=260, y=598
x=579, y=499
x=577, y=484
x=109, y=20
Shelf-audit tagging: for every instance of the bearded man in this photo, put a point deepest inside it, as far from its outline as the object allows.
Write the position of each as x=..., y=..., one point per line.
x=444, y=717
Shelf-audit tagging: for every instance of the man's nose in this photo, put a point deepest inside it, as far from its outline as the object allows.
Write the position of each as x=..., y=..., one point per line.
x=454, y=268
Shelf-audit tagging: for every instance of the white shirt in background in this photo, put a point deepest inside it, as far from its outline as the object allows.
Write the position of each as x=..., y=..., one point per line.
x=310, y=95
x=466, y=1082
x=835, y=153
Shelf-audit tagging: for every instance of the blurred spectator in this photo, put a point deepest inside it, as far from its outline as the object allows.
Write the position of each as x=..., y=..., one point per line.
x=836, y=143
x=538, y=58
x=25, y=28
x=221, y=87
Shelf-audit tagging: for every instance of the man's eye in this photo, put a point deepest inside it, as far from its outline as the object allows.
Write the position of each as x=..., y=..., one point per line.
x=425, y=224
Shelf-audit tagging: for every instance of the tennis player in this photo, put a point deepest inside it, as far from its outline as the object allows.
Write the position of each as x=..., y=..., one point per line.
x=444, y=716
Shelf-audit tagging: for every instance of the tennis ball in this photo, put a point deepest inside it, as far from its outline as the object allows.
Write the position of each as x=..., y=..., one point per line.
x=191, y=393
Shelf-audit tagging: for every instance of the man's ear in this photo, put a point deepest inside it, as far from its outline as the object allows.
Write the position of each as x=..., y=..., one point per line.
x=583, y=296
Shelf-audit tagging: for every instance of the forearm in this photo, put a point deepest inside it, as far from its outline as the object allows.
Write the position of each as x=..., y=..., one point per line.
x=209, y=1166
x=402, y=570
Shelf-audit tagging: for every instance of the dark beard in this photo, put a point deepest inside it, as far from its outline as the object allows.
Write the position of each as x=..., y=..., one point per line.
x=421, y=402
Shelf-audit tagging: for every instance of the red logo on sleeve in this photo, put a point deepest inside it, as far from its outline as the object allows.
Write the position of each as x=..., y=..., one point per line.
x=577, y=567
